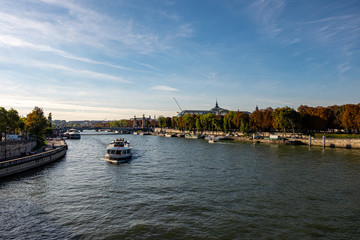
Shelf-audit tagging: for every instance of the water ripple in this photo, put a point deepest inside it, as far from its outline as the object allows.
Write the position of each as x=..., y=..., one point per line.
x=186, y=189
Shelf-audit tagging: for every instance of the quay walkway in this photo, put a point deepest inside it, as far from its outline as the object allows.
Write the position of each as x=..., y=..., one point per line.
x=55, y=150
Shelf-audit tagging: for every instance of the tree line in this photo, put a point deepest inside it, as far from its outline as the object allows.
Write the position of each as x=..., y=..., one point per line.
x=305, y=119
x=34, y=123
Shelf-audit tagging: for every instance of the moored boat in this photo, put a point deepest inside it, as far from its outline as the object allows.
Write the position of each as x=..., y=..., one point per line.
x=118, y=151
x=217, y=137
x=212, y=140
x=194, y=136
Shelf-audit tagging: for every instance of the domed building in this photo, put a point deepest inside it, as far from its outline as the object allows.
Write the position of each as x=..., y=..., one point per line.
x=215, y=110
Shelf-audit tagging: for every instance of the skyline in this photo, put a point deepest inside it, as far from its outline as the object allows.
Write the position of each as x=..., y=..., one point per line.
x=84, y=60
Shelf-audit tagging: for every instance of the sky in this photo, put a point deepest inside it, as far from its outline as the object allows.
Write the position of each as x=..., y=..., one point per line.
x=115, y=59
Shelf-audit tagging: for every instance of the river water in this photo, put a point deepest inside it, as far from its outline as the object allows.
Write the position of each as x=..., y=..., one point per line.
x=176, y=188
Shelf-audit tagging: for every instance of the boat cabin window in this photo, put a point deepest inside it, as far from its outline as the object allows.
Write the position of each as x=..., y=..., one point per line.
x=118, y=152
x=112, y=151
x=119, y=144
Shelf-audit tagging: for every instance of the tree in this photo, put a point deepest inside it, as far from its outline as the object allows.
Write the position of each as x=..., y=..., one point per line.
x=218, y=123
x=228, y=125
x=240, y=120
x=244, y=127
x=9, y=121
x=3, y=121
x=261, y=120
x=351, y=117
x=189, y=121
x=168, y=122
x=286, y=118
x=13, y=120
x=198, y=124
x=37, y=124
x=175, y=122
x=206, y=121
x=161, y=120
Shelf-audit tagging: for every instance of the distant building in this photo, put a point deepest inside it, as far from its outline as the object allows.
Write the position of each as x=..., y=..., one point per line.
x=215, y=110
x=59, y=123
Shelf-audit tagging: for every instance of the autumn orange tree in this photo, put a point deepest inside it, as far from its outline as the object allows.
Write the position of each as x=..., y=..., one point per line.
x=261, y=120
x=350, y=119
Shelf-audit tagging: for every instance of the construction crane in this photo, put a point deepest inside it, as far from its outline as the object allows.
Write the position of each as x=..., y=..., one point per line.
x=177, y=104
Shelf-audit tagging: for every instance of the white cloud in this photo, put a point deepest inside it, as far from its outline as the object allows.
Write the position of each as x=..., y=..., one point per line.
x=165, y=88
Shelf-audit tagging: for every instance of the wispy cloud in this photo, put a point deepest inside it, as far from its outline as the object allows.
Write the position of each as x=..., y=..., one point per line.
x=81, y=72
x=340, y=34
x=63, y=69
x=73, y=28
x=10, y=41
x=266, y=13
x=165, y=88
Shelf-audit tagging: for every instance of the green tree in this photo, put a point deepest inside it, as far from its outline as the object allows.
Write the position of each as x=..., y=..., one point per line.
x=286, y=118
x=175, y=123
x=218, y=123
x=13, y=120
x=189, y=122
x=36, y=124
x=168, y=122
x=244, y=127
x=9, y=121
x=198, y=124
x=3, y=121
x=161, y=120
x=207, y=122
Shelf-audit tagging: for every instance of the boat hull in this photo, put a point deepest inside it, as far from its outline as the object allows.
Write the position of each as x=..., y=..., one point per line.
x=123, y=159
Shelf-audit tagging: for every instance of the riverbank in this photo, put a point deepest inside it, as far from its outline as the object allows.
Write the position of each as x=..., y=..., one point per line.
x=276, y=138
x=54, y=150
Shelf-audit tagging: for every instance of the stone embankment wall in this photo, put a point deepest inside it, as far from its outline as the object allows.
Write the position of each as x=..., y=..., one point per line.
x=17, y=165
x=16, y=148
x=332, y=143
x=329, y=142
x=300, y=138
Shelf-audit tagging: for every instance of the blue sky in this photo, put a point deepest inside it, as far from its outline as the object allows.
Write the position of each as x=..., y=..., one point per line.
x=114, y=59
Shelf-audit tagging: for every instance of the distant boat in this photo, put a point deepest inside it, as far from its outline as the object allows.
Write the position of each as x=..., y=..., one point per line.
x=118, y=151
x=169, y=135
x=194, y=136
x=217, y=137
x=145, y=133
x=212, y=140
x=72, y=134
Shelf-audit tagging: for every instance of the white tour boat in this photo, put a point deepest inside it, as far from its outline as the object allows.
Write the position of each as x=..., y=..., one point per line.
x=118, y=151
x=73, y=134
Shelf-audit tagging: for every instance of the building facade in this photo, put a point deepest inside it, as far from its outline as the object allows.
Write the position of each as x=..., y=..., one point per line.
x=215, y=110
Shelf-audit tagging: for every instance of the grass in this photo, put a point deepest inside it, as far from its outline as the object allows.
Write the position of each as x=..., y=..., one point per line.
x=335, y=135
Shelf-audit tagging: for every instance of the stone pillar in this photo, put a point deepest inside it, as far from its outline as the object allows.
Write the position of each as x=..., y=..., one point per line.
x=143, y=121
x=135, y=122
